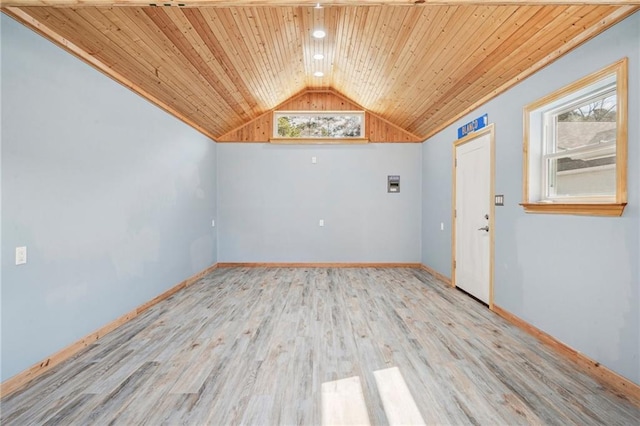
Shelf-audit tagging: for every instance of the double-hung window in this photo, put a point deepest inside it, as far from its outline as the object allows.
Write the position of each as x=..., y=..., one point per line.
x=575, y=147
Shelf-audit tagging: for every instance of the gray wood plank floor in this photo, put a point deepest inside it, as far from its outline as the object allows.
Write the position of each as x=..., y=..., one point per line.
x=254, y=345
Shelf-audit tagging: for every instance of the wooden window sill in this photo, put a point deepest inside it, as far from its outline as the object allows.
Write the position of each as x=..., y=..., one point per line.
x=318, y=141
x=585, y=209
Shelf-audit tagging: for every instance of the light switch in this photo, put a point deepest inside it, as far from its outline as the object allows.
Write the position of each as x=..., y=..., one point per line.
x=21, y=255
x=314, y=160
x=321, y=222
x=213, y=222
x=442, y=226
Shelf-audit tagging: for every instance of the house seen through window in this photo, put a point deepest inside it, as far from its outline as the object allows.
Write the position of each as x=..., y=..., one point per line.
x=580, y=147
x=575, y=147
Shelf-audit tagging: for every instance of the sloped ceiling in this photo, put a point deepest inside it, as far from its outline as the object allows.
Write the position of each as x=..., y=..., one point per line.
x=420, y=67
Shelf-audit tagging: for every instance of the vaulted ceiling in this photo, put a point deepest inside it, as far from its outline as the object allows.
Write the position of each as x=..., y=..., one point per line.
x=217, y=67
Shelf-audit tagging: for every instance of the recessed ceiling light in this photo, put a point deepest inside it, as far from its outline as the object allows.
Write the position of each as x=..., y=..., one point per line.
x=318, y=74
x=318, y=56
x=319, y=34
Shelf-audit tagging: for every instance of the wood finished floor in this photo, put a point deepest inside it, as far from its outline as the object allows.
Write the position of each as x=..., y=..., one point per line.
x=254, y=345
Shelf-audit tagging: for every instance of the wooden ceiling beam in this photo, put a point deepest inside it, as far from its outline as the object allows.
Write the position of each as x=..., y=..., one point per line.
x=272, y=3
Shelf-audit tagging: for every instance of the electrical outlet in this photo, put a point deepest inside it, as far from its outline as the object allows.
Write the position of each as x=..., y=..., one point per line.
x=314, y=160
x=21, y=255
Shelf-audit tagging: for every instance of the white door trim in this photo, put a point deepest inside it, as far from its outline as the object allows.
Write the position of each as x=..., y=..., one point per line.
x=490, y=129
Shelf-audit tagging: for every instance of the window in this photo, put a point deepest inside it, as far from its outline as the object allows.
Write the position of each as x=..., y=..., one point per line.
x=575, y=147
x=318, y=125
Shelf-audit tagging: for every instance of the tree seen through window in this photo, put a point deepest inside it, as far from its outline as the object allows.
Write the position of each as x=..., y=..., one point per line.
x=325, y=125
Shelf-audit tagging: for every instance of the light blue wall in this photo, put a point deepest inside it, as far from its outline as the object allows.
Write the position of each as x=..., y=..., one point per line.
x=112, y=197
x=114, y=200
x=576, y=278
x=271, y=198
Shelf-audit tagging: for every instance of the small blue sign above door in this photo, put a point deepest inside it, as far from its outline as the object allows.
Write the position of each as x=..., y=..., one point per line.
x=474, y=125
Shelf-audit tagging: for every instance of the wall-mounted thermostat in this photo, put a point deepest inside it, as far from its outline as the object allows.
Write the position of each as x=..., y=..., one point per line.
x=393, y=183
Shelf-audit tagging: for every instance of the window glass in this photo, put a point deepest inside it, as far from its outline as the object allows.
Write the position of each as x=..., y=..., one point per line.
x=580, y=155
x=319, y=125
x=575, y=147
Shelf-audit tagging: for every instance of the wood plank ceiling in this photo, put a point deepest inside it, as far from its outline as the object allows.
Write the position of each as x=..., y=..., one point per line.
x=419, y=67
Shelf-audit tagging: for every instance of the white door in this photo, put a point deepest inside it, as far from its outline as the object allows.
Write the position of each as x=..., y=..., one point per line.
x=473, y=215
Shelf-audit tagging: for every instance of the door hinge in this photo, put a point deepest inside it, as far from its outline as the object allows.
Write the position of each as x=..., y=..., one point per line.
x=455, y=162
x=455, y=212
x=454, y=264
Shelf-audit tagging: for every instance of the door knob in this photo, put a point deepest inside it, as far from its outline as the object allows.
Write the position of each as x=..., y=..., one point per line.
x=485, y=228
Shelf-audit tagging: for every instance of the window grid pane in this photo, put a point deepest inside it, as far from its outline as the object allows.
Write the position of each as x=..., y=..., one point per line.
x=579, y=148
